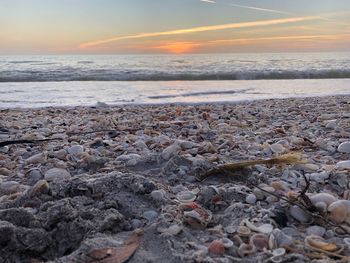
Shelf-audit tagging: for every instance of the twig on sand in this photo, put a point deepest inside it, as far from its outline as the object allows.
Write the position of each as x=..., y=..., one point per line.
x=5, y=143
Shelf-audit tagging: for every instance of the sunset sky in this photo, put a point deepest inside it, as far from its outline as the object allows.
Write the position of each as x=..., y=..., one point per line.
x=172, y=26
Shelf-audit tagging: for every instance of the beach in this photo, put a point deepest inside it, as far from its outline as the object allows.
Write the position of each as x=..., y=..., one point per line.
x=147, y=183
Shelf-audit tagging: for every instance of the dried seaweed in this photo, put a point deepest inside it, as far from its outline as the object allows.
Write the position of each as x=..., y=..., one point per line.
x=233, y=168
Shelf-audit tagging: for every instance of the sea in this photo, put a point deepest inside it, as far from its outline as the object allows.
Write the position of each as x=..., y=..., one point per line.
x=75, y=80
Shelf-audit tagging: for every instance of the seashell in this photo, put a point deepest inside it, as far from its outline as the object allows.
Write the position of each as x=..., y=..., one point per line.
x=196, y=216
x=245, y=250
x=259, y=241
x=277, y=255
x=41, y=187
x=322, y=198
x=319, y=243
x=264, y=229
x=216, y=247
x=227, y=242
x=186, y=196
x=243, y=231
x=278, y=238
x=278, y=186
x=339, y=211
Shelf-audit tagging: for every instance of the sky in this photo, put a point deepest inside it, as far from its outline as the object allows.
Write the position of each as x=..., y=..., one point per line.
x=173, y=26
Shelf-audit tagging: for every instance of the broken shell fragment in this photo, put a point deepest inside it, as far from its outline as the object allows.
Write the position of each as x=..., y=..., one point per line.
x=260, y=241
x=243, y=231
x=317, y=242
x=186, y=197
x=196, y=216
x=264, y=229
x=246, y=250
x=277, y=255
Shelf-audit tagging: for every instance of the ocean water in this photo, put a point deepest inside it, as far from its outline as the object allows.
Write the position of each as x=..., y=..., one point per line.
x=37, y=81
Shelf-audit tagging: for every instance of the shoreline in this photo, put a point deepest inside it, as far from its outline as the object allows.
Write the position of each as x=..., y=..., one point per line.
x=172, y=104
x=124, y=179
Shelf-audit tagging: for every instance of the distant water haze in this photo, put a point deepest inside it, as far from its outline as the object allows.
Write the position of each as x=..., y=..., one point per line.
x=38, y=81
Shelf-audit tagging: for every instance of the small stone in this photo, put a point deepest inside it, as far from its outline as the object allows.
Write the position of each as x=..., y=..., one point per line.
x=37, y=158
x=7, y=232
x=344, y=147
x=60, y=154
x=129, y=159
x=277, y=148
x=4, y=171
x=216, y=247
x=343, y=165
x=315, y=230
x=331, y=124
x=9, y=187
x=170, y=151
x=56, y=174
x=34, y=176
x=299, y=214
x=251, y=199
x=158, y=195
x=75, y=150
x=150, y=215
x=136, y=223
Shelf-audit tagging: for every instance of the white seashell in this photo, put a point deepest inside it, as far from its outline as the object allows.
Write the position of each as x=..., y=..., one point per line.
x=322, y=198
x=278, y=238
x=227, y=242
x=278, y=255
x=186, y=196
x=264, y=229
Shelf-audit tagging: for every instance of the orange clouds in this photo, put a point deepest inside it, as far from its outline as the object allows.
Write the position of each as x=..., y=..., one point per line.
x=201, y=29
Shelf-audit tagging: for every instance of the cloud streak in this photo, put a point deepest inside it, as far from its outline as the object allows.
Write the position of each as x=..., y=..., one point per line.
x=208, y=1
x=200, y=29
x=300, y=37
x=263, y=9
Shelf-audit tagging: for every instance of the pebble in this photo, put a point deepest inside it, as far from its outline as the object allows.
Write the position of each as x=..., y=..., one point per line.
x=9, y=187
x=170, y=151
x=56, y=174
x=75, y=150
x=251, y=199
x=331, y=124
x=315, y=230
x=37, y=158
x=4, y=171
x=150, y=215
x=34, y=176
x=158, y=195
x=344, y=147
x=343, y=165
x=129, y=159
x=299, y=214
